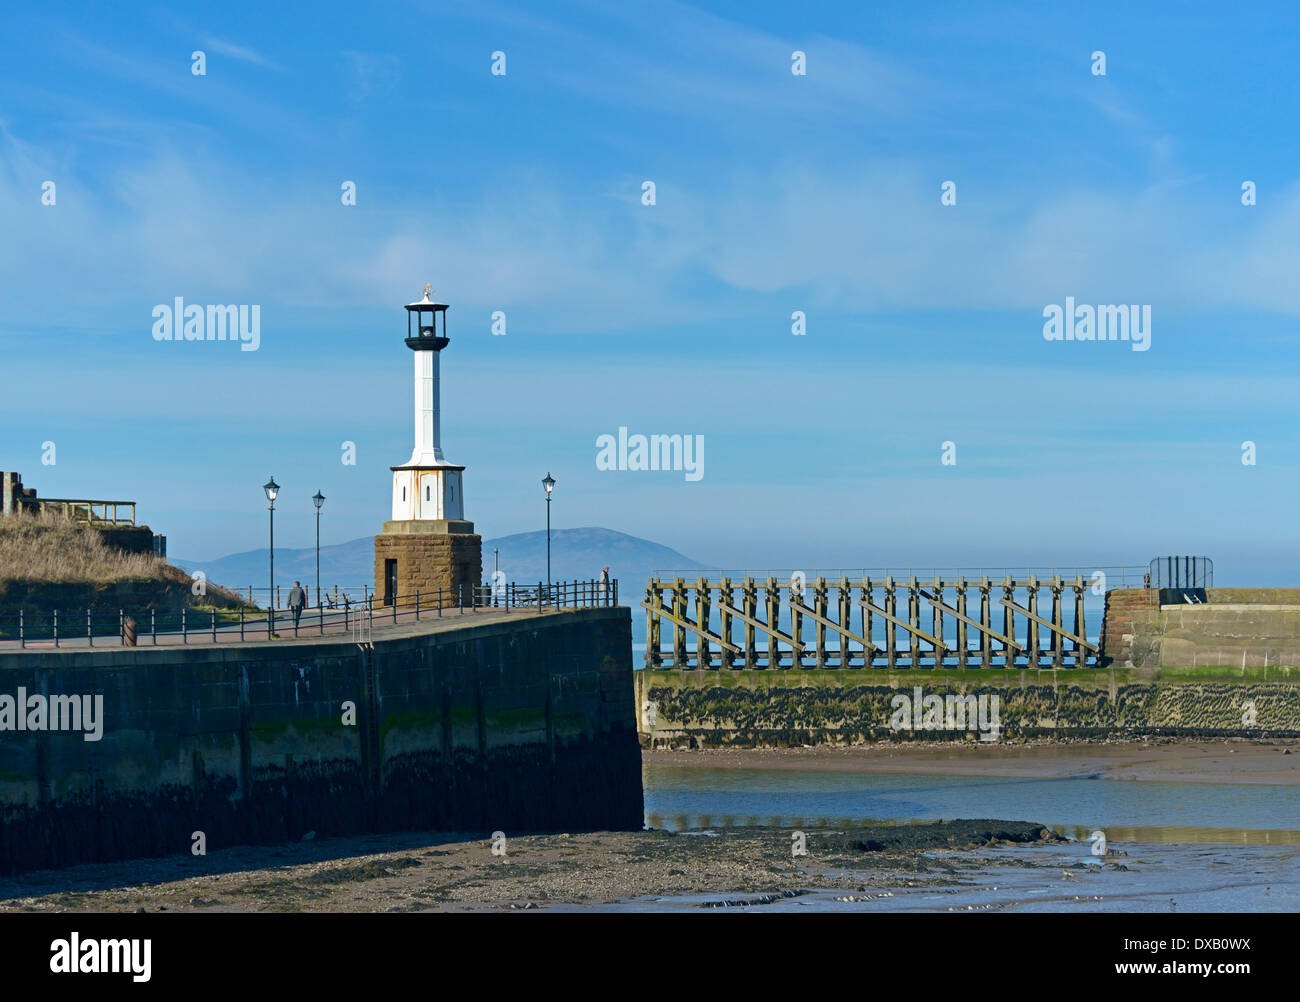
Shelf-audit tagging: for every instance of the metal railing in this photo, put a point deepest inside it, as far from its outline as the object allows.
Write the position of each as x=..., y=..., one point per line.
x=60, y=628
x=1114, y=576
x=1185, y=573
x=330, y=597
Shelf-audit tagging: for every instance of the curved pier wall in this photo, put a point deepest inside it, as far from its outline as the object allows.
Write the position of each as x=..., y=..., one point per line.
x=525, y=724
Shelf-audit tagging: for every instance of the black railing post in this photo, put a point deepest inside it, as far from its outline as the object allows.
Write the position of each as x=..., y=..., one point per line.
x=185, y=636
x=417, y=605
x=153, y=625
x=22, y=635
x=241, y=624
x=56, y=627
x=214, y=624
x=90, y=636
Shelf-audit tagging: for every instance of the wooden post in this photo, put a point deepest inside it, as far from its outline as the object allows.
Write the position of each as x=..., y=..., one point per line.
x=653, y=650
x=986, y=618
x=891, y=631
x=749, y=600
x=1033, y=640
x=796, y=621
x=914, y=618
x=936, y=622
x=1080, y=652
x=1008, y=622
x=819, y=607
x=868, y=593
x=846, y=620
x=1058, y=642
x=727, y=658
x=679, y=631
x=962, y=637
x=703, y=656
x=774, y=621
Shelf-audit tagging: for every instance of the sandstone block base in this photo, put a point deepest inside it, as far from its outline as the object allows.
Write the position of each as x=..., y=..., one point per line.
x=424, y=557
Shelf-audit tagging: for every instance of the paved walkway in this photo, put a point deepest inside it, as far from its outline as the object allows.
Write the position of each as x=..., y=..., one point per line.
x=332, y=625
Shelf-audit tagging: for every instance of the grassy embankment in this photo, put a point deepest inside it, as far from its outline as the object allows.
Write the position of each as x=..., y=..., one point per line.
x=48, y=562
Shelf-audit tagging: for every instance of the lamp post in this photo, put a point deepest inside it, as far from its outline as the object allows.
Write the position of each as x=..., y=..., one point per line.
x=549, y=483
x=496, y=571
x=318, y=499
x=272, y=491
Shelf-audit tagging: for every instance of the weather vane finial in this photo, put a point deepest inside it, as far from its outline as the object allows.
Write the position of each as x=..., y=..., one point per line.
x=428, y=288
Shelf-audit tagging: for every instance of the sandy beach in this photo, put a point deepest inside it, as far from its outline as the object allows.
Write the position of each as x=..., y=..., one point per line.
x=1177, y=760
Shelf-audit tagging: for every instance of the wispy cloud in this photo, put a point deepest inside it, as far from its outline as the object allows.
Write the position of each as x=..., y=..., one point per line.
x=240, y=52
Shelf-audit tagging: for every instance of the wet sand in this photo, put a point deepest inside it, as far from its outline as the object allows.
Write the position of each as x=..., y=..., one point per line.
x=1171, y=760
x=417, y=872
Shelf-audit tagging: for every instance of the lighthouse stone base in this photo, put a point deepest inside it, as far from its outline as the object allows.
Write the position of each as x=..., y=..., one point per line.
x=425, y=556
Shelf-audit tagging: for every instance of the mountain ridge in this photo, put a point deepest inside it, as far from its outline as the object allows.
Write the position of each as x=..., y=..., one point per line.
x=575, y=554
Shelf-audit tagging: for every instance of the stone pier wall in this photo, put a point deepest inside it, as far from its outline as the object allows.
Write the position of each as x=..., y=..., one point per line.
x=1241, y=629
x=758, y=708
x=515, y=725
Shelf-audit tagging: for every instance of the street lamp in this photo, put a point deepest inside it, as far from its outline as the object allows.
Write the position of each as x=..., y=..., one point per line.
x=318, y=499
x=549, y=483
x=272, y=492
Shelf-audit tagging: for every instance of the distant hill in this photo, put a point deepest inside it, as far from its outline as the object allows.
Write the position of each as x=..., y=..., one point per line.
x=575, y=554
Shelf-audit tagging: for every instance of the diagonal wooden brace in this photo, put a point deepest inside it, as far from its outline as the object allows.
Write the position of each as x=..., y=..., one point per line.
x=1051, y=626
x=870, y=648
x=771, y=631
x=940, y=650
x=659, y=610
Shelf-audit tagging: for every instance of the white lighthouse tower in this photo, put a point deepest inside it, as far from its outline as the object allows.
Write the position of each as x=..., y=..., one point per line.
x=427, y=486
x=428, y=549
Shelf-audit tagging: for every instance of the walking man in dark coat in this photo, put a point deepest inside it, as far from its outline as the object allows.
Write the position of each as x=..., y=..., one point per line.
x=297, y=599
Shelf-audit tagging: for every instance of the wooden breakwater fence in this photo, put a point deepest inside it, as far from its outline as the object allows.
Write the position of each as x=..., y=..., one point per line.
x=1010, y=621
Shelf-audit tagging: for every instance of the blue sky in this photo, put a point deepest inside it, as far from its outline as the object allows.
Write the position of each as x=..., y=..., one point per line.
x=774, y=193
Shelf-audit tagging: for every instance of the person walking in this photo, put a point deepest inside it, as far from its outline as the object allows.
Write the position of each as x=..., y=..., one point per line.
x=297, y=599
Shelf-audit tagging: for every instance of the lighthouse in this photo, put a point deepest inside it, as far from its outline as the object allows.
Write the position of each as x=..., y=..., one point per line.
x=427, y=547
